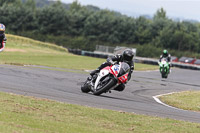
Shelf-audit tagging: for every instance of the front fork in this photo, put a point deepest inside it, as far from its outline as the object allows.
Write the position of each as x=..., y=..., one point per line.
x=91, y=81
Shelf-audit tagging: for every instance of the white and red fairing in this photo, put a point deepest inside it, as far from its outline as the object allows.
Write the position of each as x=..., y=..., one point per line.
x=115, y=69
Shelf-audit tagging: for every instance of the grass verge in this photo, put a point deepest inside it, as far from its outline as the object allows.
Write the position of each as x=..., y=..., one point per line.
x=33, y=115
x=188, y=100
x=24, y=51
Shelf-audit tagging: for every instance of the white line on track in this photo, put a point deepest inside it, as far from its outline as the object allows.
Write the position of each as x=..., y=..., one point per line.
x=156, y=98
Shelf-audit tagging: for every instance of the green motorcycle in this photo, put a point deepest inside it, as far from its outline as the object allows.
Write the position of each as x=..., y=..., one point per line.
x=164, y=67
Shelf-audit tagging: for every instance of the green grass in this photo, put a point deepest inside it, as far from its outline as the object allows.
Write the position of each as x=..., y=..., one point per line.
x=33, y=115
x=24, y=51
x=188, y=100
x=145, y=67
x=20, y=50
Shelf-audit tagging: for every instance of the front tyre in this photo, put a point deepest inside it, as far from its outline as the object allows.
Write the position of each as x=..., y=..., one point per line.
x=85, y=87
x=164, y=75
x=164, y=72
x=106, y=87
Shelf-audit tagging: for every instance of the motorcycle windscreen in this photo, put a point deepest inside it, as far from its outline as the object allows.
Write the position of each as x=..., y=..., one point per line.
x=125, y=68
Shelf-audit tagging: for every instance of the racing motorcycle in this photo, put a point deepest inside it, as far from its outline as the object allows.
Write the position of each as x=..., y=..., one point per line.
x=164, y=67
x=107, y=79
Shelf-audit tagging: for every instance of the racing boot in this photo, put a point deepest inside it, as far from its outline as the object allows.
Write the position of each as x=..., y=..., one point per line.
x=94, y=72
x=94, y=75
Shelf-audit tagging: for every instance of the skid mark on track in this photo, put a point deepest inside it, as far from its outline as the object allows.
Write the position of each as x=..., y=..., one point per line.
x=167, y=81
x=188, y=84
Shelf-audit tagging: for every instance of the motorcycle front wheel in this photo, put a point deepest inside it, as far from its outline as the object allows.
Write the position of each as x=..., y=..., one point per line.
x=85, y=87
x=164, y=75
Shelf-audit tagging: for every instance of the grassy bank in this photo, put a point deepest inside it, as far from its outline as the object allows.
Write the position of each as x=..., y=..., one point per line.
x=188, y=100
x=29, y=114
x=24, y=51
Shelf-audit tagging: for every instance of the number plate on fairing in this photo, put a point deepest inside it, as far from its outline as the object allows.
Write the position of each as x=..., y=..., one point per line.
x=116, y=69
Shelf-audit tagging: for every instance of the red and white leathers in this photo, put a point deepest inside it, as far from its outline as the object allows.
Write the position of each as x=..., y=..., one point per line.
x=2, y=37
x=2, y=42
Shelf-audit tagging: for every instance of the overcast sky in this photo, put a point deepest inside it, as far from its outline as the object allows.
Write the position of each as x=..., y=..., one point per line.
x=183, y=9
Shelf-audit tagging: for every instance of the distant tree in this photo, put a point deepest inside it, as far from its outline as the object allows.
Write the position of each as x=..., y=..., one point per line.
x=75, y=6
x=158, y=25
x=30, y=4
x=7, y=2
x=52, y=19
x=102, y=26
x=160, y=21
x=126, y=28
x=83, y=27
x=17, y=17
x=164, y=36
x=143, y=30
x=77, y=15
x=160, y=13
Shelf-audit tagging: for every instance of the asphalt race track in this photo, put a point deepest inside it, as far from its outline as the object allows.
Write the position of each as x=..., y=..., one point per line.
x=137, y=97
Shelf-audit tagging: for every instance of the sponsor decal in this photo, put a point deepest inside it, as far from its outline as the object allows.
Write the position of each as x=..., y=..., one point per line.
x=116, y=69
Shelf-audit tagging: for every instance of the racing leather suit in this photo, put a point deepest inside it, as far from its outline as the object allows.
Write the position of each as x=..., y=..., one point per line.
x=3, y=40
x=117, y=58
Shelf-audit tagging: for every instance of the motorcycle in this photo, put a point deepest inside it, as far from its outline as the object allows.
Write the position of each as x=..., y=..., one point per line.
x=164, y=67
x=107, y=79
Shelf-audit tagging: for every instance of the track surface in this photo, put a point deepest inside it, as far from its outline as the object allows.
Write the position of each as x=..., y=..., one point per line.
x=137, y=97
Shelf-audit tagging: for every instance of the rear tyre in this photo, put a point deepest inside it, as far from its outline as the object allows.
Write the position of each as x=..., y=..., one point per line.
x=106, y=87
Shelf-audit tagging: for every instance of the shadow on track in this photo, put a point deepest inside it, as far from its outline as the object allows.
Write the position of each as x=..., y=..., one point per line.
x=111, y=97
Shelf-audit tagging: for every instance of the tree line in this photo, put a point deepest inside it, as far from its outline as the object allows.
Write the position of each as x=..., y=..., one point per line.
x=84, y=27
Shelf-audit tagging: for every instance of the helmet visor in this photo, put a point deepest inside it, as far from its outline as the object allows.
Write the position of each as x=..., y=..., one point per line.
x=128, y=57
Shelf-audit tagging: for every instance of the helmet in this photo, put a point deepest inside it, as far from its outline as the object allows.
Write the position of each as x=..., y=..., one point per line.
x=128, y=55
x=2, y=29
x=165, y=53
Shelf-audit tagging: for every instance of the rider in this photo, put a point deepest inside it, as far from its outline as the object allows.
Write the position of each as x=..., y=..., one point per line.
x=167, y=56
x=127, y=57
x=2, y=37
